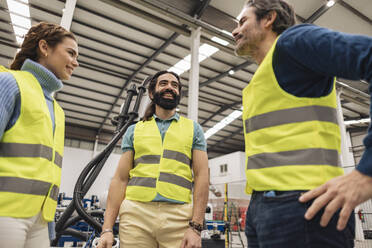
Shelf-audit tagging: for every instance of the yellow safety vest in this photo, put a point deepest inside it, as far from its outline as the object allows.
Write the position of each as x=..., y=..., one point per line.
x=31, y=155
x=162, y=167
x=291, y=143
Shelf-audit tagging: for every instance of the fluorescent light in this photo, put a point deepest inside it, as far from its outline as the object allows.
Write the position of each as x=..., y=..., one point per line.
x=20, y=17
x=231, y=72
x=184, y=64
x=176, y=70
x=220, y=41
x=20, y=21
x=19, y=8
x=223, y=123
x=361, y=121
x=226, y=32
x=330, y=3
x=207, y=50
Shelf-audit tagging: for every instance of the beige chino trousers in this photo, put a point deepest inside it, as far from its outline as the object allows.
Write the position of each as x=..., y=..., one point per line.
x=153, y=224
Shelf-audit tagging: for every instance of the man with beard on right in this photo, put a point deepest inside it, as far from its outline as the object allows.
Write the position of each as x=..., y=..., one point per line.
x=164, y=164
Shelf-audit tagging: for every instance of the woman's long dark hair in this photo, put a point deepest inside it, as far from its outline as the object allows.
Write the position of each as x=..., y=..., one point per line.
x=150, y=110
x=53, y=34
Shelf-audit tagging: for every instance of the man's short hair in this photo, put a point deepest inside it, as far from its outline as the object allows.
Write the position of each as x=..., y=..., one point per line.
x=285, y=14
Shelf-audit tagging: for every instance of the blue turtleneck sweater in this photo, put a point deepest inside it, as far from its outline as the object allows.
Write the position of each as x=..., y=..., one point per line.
x=10, y=99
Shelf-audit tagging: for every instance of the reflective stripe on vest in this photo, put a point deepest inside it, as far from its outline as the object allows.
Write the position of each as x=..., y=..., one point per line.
x=147, y=159
x=155, y=159
x=28, y=186
x=180, y=157
x=174, y=179
x=315, y=156
x=163, y=177
x=29, y=150
x=292, y=115
x=142, y=181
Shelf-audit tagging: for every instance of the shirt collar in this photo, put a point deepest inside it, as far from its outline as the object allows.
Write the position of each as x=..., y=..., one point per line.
x=176, y=117
x=48, y=81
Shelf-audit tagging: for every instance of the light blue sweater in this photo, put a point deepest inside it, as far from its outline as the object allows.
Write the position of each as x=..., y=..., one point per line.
x=10, y=99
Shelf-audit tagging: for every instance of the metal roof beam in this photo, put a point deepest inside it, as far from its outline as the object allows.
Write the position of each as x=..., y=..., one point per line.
x=178, y=15
x=224, y=74
x=68, y=14
x=147, y=16
x=222, y=109
x=201, y=8
x=355, y=11
x=229, y=137
x=318, y=13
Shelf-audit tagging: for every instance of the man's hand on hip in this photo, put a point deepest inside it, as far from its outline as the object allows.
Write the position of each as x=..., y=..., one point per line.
x=343, y=192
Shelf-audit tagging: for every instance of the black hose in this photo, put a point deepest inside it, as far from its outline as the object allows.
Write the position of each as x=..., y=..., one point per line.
x=94, y=167
x=71, y=207
x=76, y=218
x=72, y=232
x=80, y=191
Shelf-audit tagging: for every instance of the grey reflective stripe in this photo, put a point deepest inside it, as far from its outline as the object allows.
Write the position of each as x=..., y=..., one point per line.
x=25, y=150
x=174, y=179
x=147, y=159
x=178, y=156
x=142, y=181
x=292, y=115
x=58, y=159
x=54, y=192
x=29, y=150
x=26, y=186
x=314, y=156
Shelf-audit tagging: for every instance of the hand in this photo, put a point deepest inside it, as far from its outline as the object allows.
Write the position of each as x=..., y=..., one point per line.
x=106, y=240
x=345, y=192
x=191, y=239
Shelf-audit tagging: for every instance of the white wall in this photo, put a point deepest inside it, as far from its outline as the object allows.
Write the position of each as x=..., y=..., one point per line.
x=74, y=161
x=235, y=175
x=235, y=172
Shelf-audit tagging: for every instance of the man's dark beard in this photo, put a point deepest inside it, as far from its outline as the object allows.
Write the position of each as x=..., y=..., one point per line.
x=166, y=103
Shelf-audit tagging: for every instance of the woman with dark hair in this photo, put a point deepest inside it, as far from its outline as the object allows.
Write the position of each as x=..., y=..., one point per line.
x=32, y=134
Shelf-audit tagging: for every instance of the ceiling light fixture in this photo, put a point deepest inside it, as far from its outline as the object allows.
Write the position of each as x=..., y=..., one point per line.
x=330, y=3
x=361, y=121
x=20, y=17
x=224, y=122
x=184, y=64
x=220, y=41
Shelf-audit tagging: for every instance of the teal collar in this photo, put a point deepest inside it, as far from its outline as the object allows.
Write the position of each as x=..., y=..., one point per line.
x=48, y=81
x=176, y=117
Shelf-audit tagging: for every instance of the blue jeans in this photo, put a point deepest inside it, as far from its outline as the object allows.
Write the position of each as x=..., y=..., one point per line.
x=277, y=221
